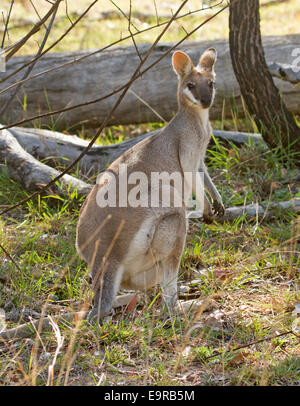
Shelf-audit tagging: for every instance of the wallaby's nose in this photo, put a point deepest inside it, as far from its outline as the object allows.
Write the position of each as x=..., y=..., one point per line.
x=205, y=101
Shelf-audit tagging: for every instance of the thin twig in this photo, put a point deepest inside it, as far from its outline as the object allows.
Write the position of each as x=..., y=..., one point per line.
x=6, y=23
x=29, y=70
x=37, y=13
x=67, y=13
x=249, y=344
x=156, y=14
x=43, y=53
x=129, y=29
x=123, y=13
x=10, y=257
x=36, y=28
x=60, y=341
x=148, y=105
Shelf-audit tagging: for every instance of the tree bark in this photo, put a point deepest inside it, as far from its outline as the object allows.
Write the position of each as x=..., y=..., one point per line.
x=98, y=75
x=262, y=97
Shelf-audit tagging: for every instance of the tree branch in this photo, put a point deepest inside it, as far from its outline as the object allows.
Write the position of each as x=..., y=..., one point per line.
x=89, y=54
x=6, y=24
x=286, y=72
x=36, y=28
x=254, y=211
x=29, y=70
x=94, y=101
x=39, y=56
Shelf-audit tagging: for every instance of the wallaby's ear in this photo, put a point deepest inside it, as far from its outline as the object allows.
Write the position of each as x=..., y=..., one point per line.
x=208, y=59
x=182, y=63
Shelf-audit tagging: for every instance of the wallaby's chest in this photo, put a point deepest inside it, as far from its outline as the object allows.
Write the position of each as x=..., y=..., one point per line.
x=192, y=152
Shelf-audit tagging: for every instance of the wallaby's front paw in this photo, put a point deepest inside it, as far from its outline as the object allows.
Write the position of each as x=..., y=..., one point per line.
x=208, y=217
x=218, y=208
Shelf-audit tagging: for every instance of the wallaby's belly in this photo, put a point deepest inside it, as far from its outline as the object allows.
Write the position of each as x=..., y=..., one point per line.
x=150, y=236
x=154, y=242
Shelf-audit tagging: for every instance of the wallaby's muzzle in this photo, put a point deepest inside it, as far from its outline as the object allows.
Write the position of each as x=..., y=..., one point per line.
x=205, y=101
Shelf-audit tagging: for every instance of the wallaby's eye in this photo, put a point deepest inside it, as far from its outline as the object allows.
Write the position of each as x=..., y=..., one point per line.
x=190, y=85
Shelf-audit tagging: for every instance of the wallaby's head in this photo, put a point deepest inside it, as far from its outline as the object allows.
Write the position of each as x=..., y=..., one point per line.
x=196, y=85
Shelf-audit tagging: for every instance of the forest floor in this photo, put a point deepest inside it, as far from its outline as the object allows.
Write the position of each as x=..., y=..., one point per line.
x=245, y=272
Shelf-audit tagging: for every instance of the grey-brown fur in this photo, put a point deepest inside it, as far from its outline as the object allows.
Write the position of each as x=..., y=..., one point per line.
x=136, y=248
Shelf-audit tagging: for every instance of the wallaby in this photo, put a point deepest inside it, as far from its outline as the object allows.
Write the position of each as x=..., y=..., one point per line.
x=139, y=247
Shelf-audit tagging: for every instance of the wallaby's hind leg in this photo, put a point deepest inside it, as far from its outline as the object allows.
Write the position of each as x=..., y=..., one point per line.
x=170, y=269
x=106, y=283
x=170, y=234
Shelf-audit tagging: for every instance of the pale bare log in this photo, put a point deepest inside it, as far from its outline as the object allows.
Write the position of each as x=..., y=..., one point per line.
x=61, y=149
x=57, y=148
x=290, y=73
x=102, y=73
x=256, y=211
x=31, y=173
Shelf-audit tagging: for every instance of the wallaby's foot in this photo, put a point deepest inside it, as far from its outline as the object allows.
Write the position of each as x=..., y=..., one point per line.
x=168, y=313
x=94, y=317
x=188, y=306
x=218, y=208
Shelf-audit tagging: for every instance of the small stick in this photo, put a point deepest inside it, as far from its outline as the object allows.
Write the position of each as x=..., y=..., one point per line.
x=251, y=343
x=6, y=24
x=29, y=70
x=10, y=257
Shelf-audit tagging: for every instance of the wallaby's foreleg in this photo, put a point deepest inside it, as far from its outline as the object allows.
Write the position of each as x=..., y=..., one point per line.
x=212, y=191
x=198, y=190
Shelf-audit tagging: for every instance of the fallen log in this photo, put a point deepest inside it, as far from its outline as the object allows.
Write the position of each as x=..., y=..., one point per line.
x=60, y=149
x=31, y=173
x=290, y=73
x=97, y=75
x=254, y=211
x=21, y=149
